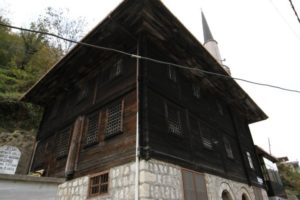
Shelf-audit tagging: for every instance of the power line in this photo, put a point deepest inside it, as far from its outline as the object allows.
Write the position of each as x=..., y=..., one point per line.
x=294, y=9
x=284, y=19
x=151, y=59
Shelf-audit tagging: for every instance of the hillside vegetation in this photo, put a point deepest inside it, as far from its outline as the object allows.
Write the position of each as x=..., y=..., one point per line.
x=24, y=58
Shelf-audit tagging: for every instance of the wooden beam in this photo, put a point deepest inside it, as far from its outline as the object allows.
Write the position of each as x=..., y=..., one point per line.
x=74, y=148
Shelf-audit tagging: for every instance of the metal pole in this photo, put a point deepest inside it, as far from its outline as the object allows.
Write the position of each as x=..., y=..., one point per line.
x=137, y=150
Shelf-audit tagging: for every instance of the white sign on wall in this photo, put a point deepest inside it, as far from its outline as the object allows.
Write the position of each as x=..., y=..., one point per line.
x=9, y=159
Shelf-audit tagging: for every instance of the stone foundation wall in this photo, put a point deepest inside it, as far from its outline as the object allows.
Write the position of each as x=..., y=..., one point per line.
x=216, y=185
x=121, y=186
x=158, y=180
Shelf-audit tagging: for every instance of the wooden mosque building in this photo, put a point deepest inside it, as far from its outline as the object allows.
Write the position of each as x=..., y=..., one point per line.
x=138, y=128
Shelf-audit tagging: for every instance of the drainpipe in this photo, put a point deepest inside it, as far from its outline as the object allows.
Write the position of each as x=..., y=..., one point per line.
x=137, y=149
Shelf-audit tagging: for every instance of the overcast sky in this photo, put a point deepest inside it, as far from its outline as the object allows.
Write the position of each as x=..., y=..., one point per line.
x=260, y=40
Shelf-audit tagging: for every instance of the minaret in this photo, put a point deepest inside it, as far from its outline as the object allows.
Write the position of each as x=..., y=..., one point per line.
x=211, y=44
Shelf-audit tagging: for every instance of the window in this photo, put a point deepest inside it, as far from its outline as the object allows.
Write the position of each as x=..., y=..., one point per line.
x=113, y=71
x=92, y=128
x=228, y=148
x=250, y=160
x=196, y=91
x=226, y=195
x=172, y=74
x=114, y=119
x=173, y=120
x=206, y=136
x=82, y=93
x=116, y=69
x=194, y=185
x=220, y=108
x=62, y=142
x=39, y=156
x=98, y=184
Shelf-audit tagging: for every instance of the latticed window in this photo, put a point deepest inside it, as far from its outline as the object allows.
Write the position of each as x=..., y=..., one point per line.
x=206, y=136
x=98, y=184
x=114, y=119
x=228, y=148
x=62, y=142
x=196, y=91
x=92, y=136
x=172, y=73
x=173, y=119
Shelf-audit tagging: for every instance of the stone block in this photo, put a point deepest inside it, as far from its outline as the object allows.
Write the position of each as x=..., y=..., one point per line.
x=147, y=177
x=144, y=190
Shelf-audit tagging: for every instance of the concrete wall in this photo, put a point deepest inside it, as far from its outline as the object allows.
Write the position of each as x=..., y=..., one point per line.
x=158, y=180
x=15, y=187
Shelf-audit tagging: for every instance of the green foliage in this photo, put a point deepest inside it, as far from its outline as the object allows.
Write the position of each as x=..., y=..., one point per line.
x=24, y=58
x=290, y=179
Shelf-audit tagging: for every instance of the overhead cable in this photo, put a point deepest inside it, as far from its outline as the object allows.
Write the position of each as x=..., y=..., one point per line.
x=294, y=9
x=151, y=59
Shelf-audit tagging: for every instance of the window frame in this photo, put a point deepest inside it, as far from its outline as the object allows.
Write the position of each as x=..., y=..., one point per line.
x=178, y=119
x=90, y=195
x=121, y=120
x=58, y=133
x=196, y=90
x=172, y=75
x=205, y=136
x=228, y=148
x=97, y=131
x=250, y=160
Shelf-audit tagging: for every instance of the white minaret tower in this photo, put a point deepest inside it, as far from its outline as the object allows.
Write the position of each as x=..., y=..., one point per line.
x=211, y=44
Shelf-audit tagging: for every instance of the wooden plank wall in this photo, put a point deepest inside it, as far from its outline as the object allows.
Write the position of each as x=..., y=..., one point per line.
x=208, y=110
x=69, y=105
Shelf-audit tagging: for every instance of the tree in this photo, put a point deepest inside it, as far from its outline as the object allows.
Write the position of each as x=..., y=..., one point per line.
x=56, y=21
x=24, y=58
x=290, y=179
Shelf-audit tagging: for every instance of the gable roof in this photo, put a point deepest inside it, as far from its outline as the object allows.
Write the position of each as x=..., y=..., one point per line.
x=130, y=19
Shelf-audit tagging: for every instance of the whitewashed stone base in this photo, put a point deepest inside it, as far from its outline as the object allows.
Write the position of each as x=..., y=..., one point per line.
x=216, y=185
x=121, y=186
x=158, y=180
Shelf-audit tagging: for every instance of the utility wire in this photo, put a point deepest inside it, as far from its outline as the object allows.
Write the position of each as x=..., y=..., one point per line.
x=284, y=19
x=151, y=59
x=294, y=9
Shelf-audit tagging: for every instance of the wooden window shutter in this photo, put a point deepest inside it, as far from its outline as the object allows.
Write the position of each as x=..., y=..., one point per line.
x=62, y=142
x=257, y=193
x=114, y=118
x=92, y=129
x=194, y=185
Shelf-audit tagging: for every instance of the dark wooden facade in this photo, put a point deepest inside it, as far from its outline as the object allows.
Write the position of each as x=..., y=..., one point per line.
x=187, y=118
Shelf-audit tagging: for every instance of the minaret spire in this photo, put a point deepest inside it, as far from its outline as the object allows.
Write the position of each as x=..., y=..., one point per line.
x=206, y=31
x=211, y=44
